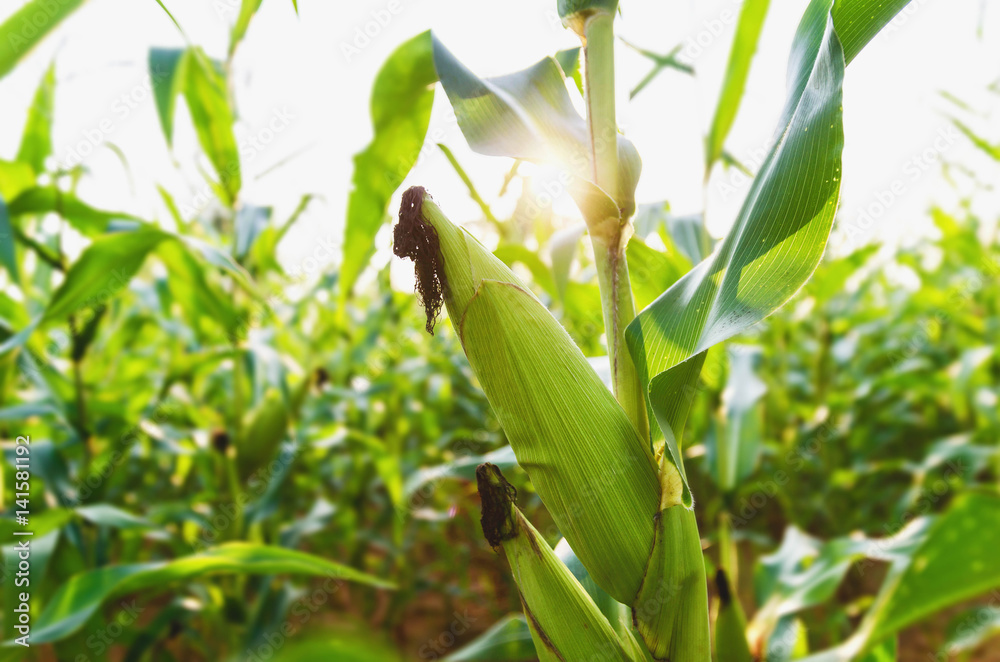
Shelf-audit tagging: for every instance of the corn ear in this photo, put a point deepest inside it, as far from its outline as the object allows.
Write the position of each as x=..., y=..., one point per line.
x=565, y=622
x=730, y=626
x=263, y=432
x=671, y=609
x=594, y=473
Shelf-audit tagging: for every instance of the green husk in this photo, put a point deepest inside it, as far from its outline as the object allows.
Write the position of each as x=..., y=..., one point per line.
x=597, y=477
x=565, y=623
x=265, y=429
x=671, y=609
x=730, y=625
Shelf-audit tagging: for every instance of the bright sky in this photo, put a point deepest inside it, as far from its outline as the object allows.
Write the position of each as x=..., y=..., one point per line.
x=297, y=67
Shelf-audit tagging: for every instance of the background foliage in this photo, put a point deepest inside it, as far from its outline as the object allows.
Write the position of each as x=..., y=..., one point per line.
x=221, y=470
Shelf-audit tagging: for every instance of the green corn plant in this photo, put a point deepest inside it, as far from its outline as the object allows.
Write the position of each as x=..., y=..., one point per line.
x=609, y=467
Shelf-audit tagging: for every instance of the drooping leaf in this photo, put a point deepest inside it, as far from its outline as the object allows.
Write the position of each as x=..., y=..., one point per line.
x=858, y=21
x=781, y=231
x=463, y=468
x=105, y=514
x=957, y=561
x=569, y=62
x=102, y=271
x=507, y=640
x=80, y=597
x=401, y=101
x=36, y=141
x=51, y=200
x=29, y=25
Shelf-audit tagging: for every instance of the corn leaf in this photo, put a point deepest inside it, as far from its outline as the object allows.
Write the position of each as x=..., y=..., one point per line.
x=247, y=9
x=28, y=26
x=738, y=443
x=780, y=233
x=201, y=80
x=80, y=597
x=858, y=21
x=166, y=71
x=102, y=271
x=529, y=115
x=951, y=565
x=509, y=640
x=8, y=257
x=15, y=178
x=36, y=141
x=208, y=102
x=730, y=626
x=51, y=200
x=401, y=101
x=744, y=46
x=251, y=221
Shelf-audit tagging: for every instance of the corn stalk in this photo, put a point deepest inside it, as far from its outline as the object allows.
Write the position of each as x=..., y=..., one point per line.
x=611, y=475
